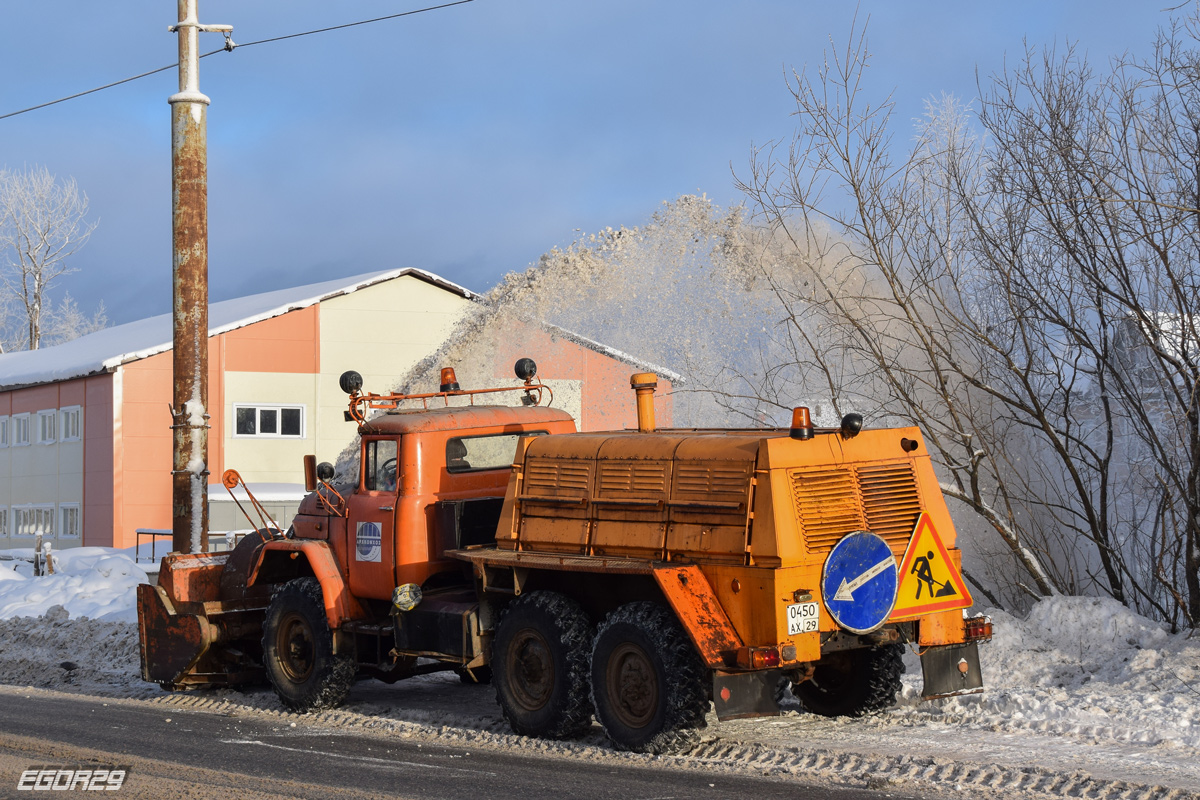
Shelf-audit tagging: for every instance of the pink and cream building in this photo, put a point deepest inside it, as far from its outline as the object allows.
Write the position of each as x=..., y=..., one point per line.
x=85, y=438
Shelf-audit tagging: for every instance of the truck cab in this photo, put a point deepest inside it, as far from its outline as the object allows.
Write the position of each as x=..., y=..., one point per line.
x=429, y=480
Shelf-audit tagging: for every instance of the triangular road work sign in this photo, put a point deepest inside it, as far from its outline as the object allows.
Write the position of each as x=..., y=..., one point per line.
x=929, y=580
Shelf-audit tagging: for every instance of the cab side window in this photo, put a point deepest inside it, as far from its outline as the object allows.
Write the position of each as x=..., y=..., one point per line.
x=380, y=467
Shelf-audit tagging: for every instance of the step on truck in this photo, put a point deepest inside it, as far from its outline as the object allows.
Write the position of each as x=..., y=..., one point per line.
x=638, y=577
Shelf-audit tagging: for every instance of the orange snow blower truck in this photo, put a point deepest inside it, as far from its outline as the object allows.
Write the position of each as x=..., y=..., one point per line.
x=640, y=576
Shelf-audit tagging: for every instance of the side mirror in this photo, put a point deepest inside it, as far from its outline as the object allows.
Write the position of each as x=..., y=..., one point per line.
x=310, y=473
x=325, y=471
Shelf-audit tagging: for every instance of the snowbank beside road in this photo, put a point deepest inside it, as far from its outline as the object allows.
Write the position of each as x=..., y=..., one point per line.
x=1085, y=667
x=94, y=582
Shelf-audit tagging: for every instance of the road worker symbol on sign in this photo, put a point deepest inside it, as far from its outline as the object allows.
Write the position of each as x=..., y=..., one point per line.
x=929, y=579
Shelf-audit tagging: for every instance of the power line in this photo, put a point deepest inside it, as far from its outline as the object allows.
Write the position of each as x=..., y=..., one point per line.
x=229, y=47
x=352, y=24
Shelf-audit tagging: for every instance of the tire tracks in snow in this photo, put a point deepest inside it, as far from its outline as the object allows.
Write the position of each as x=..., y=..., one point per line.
x=902, y=773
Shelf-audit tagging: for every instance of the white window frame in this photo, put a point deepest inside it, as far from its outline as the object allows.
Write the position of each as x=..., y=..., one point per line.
x=276, y=407
x=4, y=522
x=20, y=424
x=70, y=417
x=4, y=430
x=44, y=512
x=67, y=531
x=47, y=419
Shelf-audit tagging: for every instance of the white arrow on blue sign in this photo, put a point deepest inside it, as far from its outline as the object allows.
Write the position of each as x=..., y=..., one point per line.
x=859, y=582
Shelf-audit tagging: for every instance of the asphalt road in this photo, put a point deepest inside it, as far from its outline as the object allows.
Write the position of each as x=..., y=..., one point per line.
x=175, y=753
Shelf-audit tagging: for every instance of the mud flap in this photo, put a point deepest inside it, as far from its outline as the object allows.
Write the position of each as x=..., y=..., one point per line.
x=742, y=695
x=951, y=669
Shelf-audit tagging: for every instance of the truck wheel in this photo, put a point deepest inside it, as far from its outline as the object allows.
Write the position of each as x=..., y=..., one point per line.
x=852, y=683
x=648, y=681
x=540, y=666
x=298, y=649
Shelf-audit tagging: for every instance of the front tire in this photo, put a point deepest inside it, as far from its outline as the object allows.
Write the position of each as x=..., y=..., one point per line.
x=298, y=649
x=648, y=682
x=540, y=666
x=853, y=683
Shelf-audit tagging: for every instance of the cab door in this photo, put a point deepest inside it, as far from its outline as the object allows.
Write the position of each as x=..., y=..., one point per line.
x=372, y=513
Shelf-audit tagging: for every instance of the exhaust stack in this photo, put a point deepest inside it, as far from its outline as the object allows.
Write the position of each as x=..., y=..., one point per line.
x=644, y=384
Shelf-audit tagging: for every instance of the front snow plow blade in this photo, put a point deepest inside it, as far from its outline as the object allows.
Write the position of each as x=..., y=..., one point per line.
x=187, y=636
x=172, y=644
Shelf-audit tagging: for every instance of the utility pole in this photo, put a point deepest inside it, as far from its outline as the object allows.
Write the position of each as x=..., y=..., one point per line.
x=189, y=222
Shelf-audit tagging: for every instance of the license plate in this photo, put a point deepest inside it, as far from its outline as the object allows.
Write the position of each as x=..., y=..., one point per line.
x=803, y=618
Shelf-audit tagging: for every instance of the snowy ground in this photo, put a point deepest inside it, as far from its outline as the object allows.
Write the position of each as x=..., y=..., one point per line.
x=1083, y=699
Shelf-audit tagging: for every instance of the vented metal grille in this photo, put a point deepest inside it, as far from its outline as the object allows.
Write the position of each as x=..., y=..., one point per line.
x=554, y=477
x=639, y=479
x=827, y=506
x=694, y=478
x=832, y=503
x=890, y=500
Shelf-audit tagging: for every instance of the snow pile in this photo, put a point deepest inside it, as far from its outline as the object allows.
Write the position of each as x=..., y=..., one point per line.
x=53, y=651
x=1081, y=667
x=94, y=582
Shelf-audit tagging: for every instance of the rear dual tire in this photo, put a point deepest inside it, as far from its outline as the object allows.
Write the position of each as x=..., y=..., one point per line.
x=639, y=672
x=853, y=683
x=648, y=683
x=540, y=666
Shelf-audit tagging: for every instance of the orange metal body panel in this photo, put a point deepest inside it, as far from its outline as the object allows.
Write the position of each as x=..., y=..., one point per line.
x=672, y=494
x=467, y=418
x=757, y=511
x=868, y=450
x=553, y=484
x=629, y=497
x=946, y=627
x=192, y=577
x=688, y=592
x=756, y=600
x=340, y=604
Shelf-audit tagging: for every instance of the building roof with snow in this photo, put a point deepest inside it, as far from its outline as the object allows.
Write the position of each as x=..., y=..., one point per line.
x=107, y=349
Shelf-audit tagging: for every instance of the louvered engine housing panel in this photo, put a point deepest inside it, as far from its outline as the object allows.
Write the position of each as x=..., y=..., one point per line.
x=554, y=477
x=632, y=477
x=891, y=503
x=831, y=503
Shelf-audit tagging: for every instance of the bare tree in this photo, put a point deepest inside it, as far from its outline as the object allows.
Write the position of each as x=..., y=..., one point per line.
x=1027, y=296
x=41, y=225
x=66, y=321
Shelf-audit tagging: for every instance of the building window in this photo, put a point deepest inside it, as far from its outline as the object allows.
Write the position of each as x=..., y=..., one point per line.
x=69, y=519
x=272, y=422
x=32, y=520
x=68, y=424
x=3, y=431
x=20, y=430
x=3, y=521
x=46, y=426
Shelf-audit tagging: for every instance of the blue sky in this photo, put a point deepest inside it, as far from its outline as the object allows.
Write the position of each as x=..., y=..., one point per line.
x=466, y=141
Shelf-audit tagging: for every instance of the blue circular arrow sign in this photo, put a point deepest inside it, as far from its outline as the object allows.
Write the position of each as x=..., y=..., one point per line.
x=859, y=582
